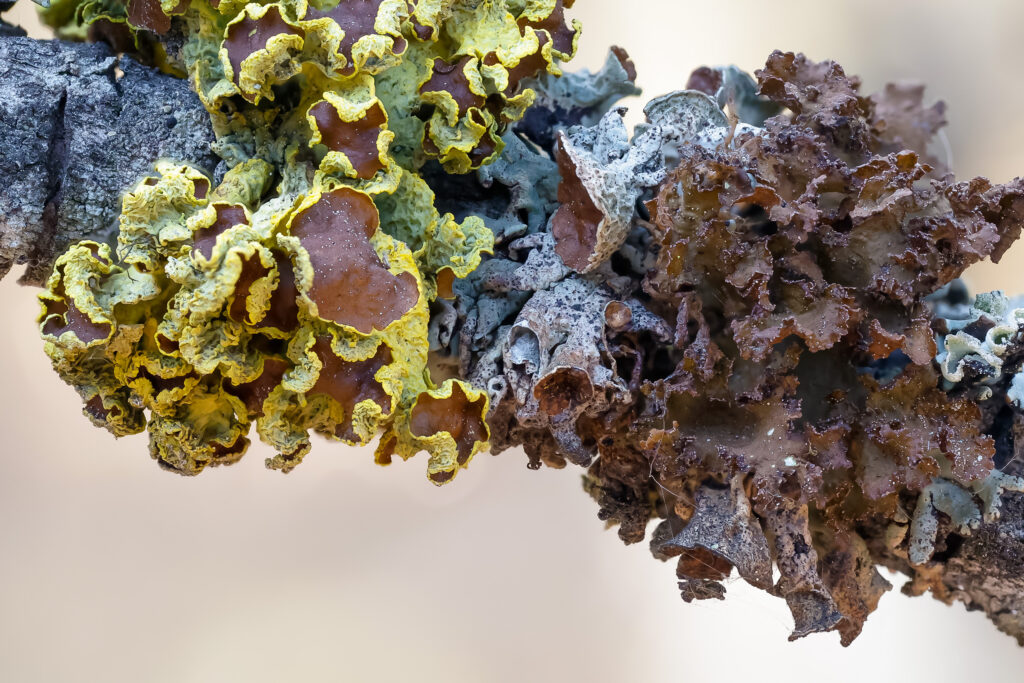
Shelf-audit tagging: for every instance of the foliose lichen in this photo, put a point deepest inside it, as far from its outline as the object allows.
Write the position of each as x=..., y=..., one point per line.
x=729, y=317
x=292, y=289
x=748, y=355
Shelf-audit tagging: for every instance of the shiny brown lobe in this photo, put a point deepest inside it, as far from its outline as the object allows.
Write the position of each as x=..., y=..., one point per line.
x=251, y=35
x=357, y=139
x=228, y=216
x=457, y=415
x=451, y=78
x=351, y=286
x=350, y=382
x=574, y=224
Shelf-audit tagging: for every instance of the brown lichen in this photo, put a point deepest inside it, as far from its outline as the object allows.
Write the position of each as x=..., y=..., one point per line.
x=357, y=140
x=456, y=415
x=351, y=285
x=752, y=358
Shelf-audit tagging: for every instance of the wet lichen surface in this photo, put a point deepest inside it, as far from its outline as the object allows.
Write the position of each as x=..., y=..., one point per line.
x=742, y=319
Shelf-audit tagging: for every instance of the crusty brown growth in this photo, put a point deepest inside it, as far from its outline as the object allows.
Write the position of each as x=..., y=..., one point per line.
x=350, y=382
x=457, y=415
x=356, y=18
x=796, y=261
x=820, y=95
x=251, y=35
x=228, y=216
x=357, y=139
x=574, y=225
x=351, y=286
x=451, y=78
x=901, y=120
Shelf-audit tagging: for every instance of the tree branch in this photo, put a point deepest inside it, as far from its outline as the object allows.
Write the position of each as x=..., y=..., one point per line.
x=78, y=125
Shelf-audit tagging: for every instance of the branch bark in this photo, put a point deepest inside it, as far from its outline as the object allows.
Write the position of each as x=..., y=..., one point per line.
x=983, y=570
x=78, y=125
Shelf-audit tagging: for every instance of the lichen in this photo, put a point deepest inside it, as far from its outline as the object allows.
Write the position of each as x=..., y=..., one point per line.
x=292, y=290
x=749, y=355
x=739, y=319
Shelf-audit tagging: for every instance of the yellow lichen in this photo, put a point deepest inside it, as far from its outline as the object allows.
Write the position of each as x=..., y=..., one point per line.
x=294, y=293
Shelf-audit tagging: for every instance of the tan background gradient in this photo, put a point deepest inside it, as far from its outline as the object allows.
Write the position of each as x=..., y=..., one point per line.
x=112, y=570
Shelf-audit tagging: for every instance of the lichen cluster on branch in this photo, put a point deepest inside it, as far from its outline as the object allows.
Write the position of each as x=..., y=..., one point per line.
x=293, y=291
x=742, y=318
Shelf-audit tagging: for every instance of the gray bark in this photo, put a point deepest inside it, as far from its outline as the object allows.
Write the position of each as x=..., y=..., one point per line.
x=79, y=125
x=984, y=570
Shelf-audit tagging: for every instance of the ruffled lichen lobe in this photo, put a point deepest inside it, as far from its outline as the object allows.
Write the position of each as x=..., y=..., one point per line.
x=292, y=289
x=747, y=353
x=741, y=318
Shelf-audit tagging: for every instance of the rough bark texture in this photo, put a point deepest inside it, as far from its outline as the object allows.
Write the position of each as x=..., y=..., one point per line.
x=984, y=570
x=74, y=134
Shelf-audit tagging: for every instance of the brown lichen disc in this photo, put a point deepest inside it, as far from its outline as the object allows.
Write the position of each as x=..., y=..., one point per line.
x=357, y=139
x=254, y=393
x=350, y=382
x=451, y=78
x=251, y=35
x=351, y=286
x=74, y=321
x=284, y=309
x=457, y=415
x=228, y=215
x=357, y=19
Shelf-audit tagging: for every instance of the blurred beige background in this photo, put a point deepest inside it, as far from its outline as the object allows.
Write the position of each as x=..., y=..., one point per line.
x=112, y=570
